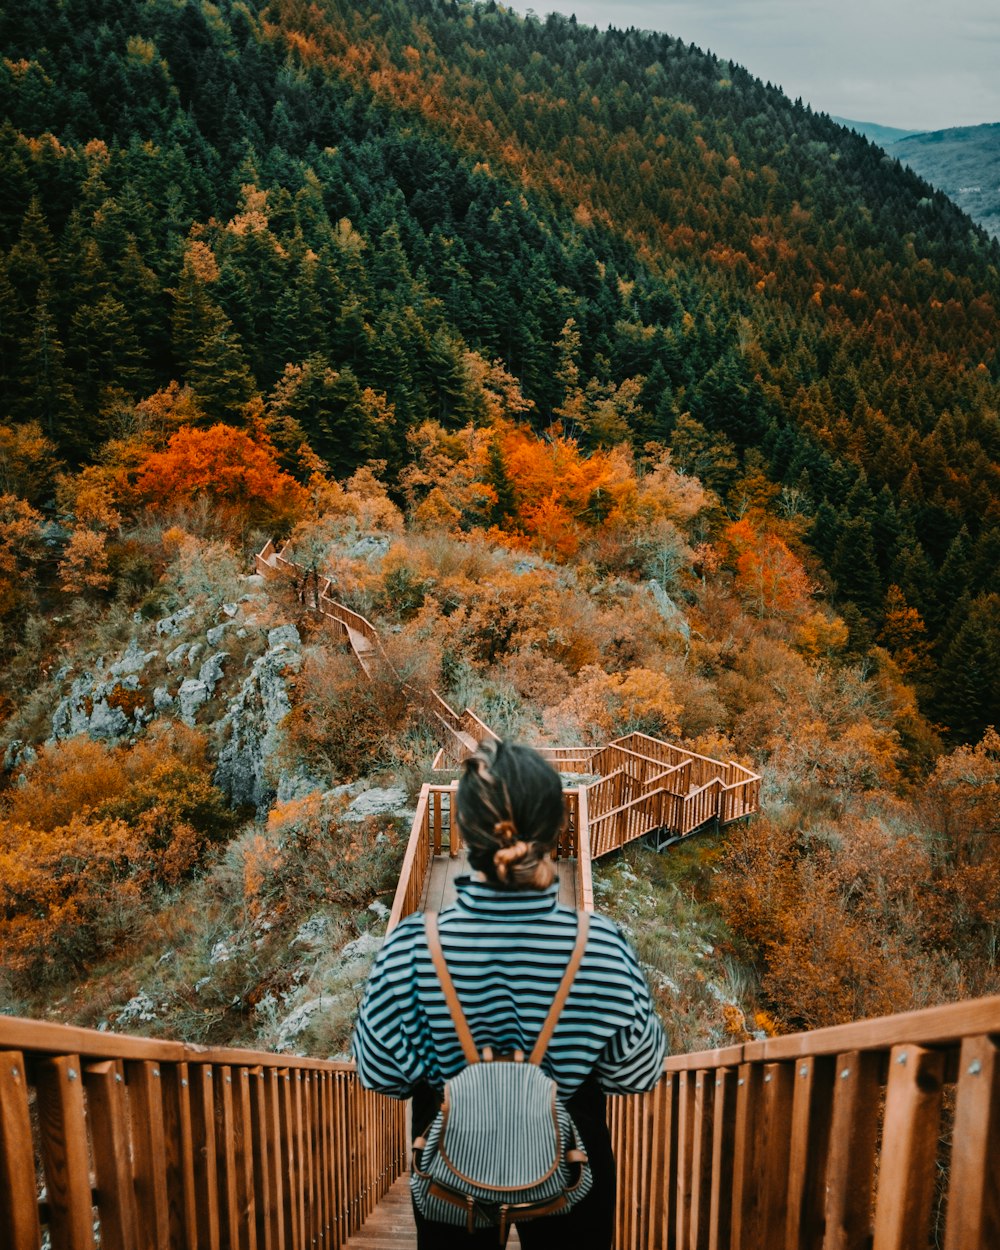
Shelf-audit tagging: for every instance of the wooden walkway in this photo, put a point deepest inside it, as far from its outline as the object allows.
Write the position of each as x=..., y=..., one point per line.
x=439, y=892
x=390, y=1226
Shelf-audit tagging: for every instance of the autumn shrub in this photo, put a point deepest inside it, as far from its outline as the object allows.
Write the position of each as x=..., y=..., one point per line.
x=603, y=706
x=341, y=724
x=92, y=835
x=66, y=895
x=310, y=854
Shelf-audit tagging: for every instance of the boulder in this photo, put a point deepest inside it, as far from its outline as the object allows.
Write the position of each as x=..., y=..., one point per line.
x=168, y=626
x=191, y=696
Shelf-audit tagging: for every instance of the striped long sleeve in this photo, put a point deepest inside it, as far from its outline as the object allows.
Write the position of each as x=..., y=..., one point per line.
x=506, y=953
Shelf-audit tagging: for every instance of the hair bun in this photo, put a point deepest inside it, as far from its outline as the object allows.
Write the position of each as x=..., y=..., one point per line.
x=506, y=858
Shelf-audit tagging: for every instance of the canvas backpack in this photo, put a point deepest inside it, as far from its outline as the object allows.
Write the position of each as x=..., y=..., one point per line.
x=503, y=1147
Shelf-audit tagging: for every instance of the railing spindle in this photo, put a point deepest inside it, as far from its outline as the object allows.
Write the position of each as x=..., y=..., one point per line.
x=19, y=1224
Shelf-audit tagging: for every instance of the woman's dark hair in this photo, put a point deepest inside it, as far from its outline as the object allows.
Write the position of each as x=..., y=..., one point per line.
x=510, y=812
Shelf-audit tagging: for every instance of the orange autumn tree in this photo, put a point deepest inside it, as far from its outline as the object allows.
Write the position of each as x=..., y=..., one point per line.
x=560, y=491
x=769, y=577
x=238, y=473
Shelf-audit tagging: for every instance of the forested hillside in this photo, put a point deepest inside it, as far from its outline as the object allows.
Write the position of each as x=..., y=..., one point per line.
x=319, y=210
x=619, y=391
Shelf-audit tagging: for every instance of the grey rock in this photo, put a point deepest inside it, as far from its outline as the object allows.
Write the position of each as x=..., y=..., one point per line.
x=177, y=657
x=191, y=696
x=133, y=661
x=170, y=625
x=312, y=932
x=214, y=635
x=108, y=722
x=138, y=1009
x=194, y=651
x=669, y=610
x=367, y=946
x=212, y=670
x=254, y=579
x=251, y=724
x=378, y=909
x=297, y=1021
x=284, y=636
x=370, y=546
x=18, y=755
x=231, y=609
x=221, y=954
x=163, y=700
x=388, y=800
x=296, y=785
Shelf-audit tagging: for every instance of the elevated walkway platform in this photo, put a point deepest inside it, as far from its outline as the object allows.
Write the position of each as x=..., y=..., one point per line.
x=445, y=869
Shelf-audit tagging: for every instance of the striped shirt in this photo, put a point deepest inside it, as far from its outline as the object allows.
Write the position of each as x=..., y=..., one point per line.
x=506, y=952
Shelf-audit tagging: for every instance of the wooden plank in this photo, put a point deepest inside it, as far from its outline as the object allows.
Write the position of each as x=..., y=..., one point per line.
x=723, y=1142
x=701, y=1158
x=929, y=1027
x=109, y=1135
x=973, y=1216
x=293, y=1159
x=745, y=1210
x=45, y=1038
x=206, y=1177
x=851, y=1162
x=262, y=1161
x=685, y=1159
x=19, y=1224
x=65, y=1160
x=246, y=1201
x=276, y=1159
x=812, y=1107
x=773, y=1159
x=182, y=1218
x=909, y=1154
x=225, y=1139
x=145, y=1104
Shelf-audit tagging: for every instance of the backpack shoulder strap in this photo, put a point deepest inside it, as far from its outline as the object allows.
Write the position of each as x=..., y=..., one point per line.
x=448, y=987
x=548, y=1028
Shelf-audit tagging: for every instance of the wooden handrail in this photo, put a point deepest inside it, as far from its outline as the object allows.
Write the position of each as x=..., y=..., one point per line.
x=816, y=1140
x=182, y=1146
x=834, y=1138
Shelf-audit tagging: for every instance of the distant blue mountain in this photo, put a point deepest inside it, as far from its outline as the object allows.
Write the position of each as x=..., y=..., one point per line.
x=882, y=135
x=962, y=161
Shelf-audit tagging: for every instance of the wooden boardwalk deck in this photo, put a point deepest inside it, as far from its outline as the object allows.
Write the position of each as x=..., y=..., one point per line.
x=390, y=1226
x=439, y=891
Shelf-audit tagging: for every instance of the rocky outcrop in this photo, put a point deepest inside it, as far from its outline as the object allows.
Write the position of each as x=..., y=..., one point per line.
x=252, y=719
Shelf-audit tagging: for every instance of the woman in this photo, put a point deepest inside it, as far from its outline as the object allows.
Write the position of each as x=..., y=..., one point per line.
x=507, y=941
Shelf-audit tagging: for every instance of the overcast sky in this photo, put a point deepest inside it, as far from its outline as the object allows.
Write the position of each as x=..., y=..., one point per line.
x=916, y=64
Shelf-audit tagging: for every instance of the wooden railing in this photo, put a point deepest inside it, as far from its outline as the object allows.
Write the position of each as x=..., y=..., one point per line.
x=877, y=1135
x=177, y=1147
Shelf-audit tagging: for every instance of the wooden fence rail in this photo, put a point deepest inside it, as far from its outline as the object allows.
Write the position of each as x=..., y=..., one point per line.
x=124, y=1143
x=877, y=1135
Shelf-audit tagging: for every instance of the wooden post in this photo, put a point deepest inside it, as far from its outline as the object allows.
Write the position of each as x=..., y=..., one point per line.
x=909, y=1148
x=19, y=1223
x=206, y=1186
x=149, y=1156
x=63, y=1129
x=105, y=1085
x=723, y=1139
x=811, y=1110
x=851, y=1162
x=974, y=1190
x=182, y=1219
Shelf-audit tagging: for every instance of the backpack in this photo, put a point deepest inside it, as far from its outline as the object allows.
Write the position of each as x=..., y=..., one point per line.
x=503, y=1147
